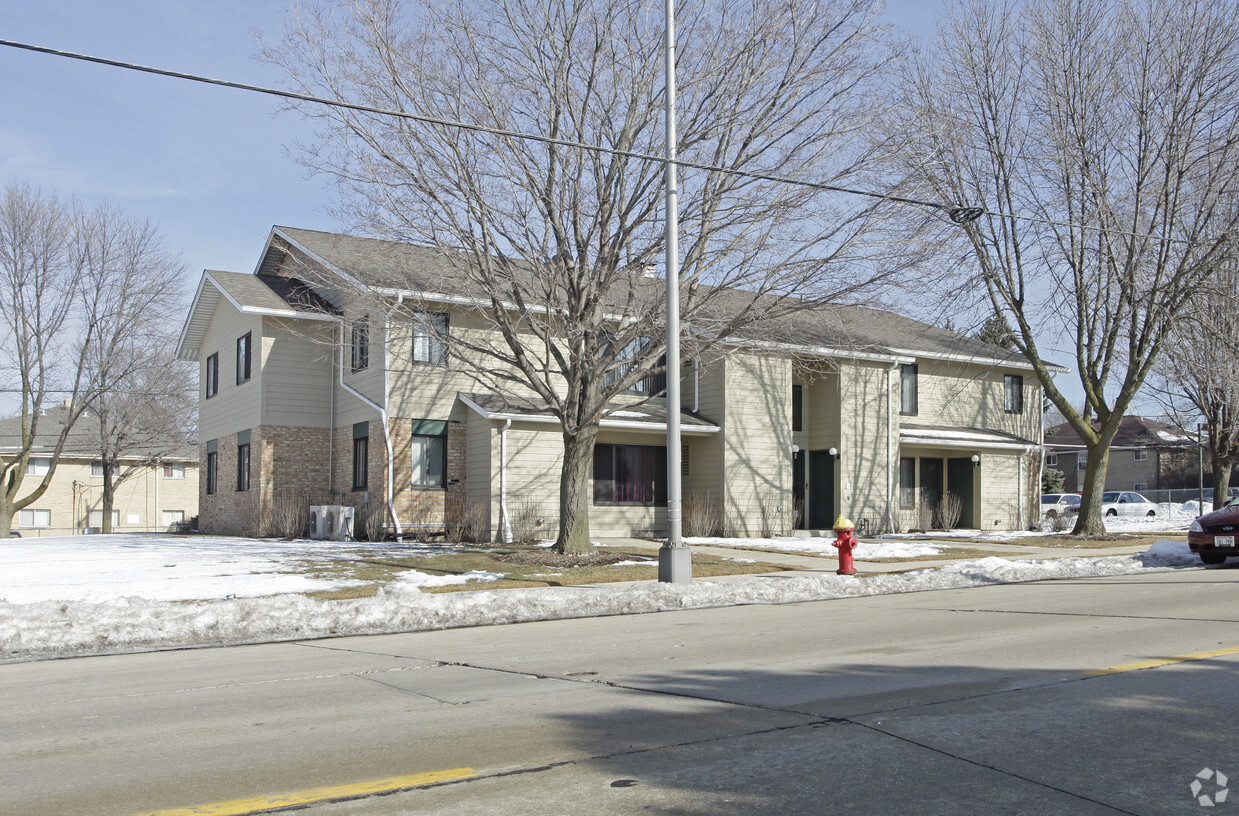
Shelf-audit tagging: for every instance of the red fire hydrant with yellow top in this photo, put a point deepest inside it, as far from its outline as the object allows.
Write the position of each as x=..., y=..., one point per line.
x=846, y=541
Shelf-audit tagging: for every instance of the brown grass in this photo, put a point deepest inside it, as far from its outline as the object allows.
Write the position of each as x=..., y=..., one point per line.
x=380, y=566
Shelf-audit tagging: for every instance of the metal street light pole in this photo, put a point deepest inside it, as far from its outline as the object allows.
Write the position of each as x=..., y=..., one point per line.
x=675, y=565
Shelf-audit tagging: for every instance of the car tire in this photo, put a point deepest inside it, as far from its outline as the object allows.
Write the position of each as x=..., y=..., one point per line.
x=1213, y=557
x=1151, y=513
x=1112, y=512
x=1052, y=514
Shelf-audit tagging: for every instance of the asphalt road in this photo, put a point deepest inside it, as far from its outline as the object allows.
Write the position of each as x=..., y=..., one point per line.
x=984, y=700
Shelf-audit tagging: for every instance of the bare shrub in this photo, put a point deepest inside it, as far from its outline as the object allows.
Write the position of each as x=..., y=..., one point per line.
x=527, y=520
x=949, y=510
x=776, y=515
x=424, y=523
x=701, y=515
x=470, y=524
x=924, y=517
x=374, y=521
x=287, y=517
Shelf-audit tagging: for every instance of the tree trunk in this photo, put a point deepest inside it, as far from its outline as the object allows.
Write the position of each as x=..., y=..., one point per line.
x=1222, y=468
x=109, y=493
x=1089, y=522
x=575, y=497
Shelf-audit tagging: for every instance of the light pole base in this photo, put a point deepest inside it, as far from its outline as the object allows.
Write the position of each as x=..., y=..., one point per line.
x=675, y=565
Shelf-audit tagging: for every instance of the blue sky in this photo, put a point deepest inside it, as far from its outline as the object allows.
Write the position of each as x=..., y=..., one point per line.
x=207, y=164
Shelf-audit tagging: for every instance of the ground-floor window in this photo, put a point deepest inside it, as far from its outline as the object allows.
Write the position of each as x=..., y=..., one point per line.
x=170, y=517
x=96, y=518
x=630, y=474
x=243, y=467
x=212, y=469
x=907, y=483
x=428, y=460
x=34, y=518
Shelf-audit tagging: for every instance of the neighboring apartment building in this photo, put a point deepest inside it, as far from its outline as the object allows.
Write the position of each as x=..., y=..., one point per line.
x=875, y=416
x=1145, y=455
x=155, y=499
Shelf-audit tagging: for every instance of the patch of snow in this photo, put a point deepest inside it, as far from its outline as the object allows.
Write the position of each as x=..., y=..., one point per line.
x=421, y=579
x=64, y=600
x=630, y=414
x=867, y=549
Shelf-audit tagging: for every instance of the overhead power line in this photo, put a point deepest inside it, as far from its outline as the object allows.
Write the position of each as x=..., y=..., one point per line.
x=957, y=213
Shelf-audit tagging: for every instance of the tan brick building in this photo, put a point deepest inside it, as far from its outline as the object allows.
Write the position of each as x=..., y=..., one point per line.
x=152, y=498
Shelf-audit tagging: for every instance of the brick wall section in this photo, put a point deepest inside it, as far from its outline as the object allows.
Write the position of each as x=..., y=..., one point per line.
x=291, y=464
x=228, y=511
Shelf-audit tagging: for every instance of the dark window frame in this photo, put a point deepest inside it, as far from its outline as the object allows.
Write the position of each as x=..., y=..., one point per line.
x=797, y=408
x=245, y=357
x=909, y=389
x=430, y=482
x=1013, y=393
x=243, y=467
x=646, y=488
x=212, y=467
x=212, y=375
x=360, y=345
x=361, y=463
x=434, y=338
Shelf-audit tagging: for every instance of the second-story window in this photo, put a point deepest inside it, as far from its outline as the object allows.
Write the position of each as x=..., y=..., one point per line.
x=1013, y=388
x=907, y=389
x=361, y=344
x=430, y=338
x=797, y=407
x=212, y=375
x=244, y=346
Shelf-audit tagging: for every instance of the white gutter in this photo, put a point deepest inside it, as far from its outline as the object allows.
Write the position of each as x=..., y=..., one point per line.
x=382, y=409
x=696, y=383
x=609, y=424
x=504, y=518
x=890, y=443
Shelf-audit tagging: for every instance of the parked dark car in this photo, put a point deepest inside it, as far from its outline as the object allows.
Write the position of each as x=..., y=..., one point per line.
x=1212, y=536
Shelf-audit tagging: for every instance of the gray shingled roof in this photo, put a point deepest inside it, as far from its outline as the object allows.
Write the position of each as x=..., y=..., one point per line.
x=81, y=443
x=1134, y=432
x=847, y=329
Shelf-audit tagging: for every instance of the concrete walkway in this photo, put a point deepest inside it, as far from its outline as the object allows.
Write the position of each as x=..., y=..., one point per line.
x=954, y=551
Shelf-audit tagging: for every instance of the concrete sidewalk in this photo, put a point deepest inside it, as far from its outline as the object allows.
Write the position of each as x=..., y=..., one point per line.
x=955, y=551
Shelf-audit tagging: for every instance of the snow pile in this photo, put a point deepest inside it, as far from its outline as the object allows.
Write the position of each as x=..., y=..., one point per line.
x=56, y=628
x=867, y=550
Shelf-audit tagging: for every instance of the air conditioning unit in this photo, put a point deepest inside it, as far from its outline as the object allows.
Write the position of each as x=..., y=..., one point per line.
x=339, y=522
x=318, y=521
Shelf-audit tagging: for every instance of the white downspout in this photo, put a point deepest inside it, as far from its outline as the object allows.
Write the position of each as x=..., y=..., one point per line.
x=696, y=383
x=890, y=447
x=505, y=520
x=382, y=409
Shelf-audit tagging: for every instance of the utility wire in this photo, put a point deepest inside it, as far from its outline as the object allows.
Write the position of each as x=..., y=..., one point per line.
x=958, y=214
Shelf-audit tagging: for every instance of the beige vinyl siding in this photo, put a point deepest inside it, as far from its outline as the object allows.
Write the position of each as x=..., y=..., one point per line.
x=821, y=413
x=296, y=374
x=865, y=459
x=705, y=478
x=973, y=396
x=235, y=407
x=758, y=439
x=1000, y=492
x=482, y=466
x=139, y=501
x=535, y=459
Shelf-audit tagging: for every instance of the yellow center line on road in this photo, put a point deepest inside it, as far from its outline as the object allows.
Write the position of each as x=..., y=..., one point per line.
x=1163, y=661
x=356, y=790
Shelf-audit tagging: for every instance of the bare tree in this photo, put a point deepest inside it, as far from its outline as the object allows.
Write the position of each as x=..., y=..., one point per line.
x=1197, y=375
x=1101, y=138
x=76, y=286
x=560, y=245
x=145, y=417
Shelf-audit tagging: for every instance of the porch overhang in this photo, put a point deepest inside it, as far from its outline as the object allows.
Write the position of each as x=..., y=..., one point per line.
x=647, y=416
x=971, y=438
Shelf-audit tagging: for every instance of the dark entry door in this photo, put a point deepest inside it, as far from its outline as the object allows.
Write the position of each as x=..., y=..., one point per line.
x=931, y=489
x=959, y=476
x=821, y=490
x=798, y=484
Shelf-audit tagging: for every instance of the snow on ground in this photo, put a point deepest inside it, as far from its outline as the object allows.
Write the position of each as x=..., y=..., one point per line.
x=868, y=550
x=107, y=594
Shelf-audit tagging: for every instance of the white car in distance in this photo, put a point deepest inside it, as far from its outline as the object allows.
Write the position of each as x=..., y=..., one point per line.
x=1126, y=503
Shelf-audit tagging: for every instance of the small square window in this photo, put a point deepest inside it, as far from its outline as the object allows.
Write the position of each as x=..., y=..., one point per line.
x=1081, y=462
x=38, y=465
x=34, y=518
x=174, y=470
x=1051, y=460
x=1141, y=456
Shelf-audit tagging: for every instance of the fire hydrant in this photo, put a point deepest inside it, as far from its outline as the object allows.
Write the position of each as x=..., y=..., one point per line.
x=846, y=541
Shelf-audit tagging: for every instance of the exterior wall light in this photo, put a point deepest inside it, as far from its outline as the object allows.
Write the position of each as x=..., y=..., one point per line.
x=976, y=460
x=834, y=453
